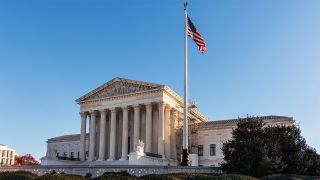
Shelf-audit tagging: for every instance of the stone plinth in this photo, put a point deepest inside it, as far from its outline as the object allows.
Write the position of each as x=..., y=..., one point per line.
x=98, y=170
x=142, y=159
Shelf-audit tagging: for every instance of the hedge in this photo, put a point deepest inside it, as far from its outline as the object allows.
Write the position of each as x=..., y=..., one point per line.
x=288, y=177
x=21, y=175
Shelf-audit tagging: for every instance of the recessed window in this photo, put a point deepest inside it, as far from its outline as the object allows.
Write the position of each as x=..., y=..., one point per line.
x=200, y=150
x=212, y=149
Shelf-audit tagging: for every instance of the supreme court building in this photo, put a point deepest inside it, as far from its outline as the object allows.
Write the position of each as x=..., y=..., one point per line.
x=138, y=123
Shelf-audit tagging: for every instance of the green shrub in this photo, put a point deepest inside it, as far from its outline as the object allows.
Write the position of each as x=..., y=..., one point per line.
x=196, y=176
x=288, y=177
x=159, y=177
x=237, y=177
x=88, y=176
x=21, y=175
x=123, y=175
x=59, y=177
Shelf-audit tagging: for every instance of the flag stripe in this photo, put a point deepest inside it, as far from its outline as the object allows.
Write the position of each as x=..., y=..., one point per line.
x=199, y=40
x=195, y=35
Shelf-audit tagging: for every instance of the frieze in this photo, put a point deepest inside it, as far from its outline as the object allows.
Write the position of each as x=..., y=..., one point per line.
x=148, y=96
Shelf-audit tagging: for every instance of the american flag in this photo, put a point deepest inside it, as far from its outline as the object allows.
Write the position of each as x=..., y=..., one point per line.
x=195, y=35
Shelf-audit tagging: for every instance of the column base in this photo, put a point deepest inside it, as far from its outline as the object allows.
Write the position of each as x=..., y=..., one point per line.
x=110, y=159
x=101, y=159
x=185, y=158
x=123, y=158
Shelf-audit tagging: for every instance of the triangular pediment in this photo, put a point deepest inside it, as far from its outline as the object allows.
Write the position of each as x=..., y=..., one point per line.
x=119, y=86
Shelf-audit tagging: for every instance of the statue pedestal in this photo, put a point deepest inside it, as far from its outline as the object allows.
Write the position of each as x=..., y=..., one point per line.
x=141, y=159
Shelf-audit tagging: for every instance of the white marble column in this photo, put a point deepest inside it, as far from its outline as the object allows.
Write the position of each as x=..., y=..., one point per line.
x=148, y=127
x=113, y=135
x=83, y=136
x=124, y=152
x=167, y=132
x=102, y=143
x=92, y=135
x=136, y=126
x=174, y=120
x=161, y=107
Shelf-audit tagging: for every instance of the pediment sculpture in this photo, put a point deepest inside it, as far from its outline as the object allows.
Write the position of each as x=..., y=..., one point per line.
x=119, y=88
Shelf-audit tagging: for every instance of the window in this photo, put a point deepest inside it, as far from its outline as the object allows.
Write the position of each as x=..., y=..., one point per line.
x=72, y=154
x=200, y=150
x=57, y=154
x=212, y=149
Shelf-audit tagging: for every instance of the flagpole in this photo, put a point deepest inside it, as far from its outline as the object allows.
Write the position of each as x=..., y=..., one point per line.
x=185, y=154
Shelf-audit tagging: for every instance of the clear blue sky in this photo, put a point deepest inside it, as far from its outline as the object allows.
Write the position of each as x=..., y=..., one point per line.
x=263, y=58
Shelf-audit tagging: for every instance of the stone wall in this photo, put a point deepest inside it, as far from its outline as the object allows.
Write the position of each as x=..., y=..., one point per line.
x=213, y=136
x=99, y=170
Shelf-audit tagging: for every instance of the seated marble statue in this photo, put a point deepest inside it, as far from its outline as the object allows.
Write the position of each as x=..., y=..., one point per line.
x=140, y=148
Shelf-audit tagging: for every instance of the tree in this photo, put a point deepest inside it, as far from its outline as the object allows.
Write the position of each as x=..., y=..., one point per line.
x=25, y=160
x=286, y=143
x=257, y=150
x=311, y=162
x=244, y=153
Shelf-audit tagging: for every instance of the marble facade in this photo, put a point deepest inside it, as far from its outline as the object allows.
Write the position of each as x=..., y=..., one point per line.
x=7, y=155
x=120, y=113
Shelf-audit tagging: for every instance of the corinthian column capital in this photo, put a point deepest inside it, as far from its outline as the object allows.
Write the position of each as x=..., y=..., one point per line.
x=149, y=104
x=162, y=104
x=103, y=111
x=175, y=113
x=136, y=106
x=83, y=114
x=93, y=112
x=125, y=108
x=113, y=109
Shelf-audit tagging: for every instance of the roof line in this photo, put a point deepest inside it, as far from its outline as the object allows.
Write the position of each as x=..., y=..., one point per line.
x=116, y=79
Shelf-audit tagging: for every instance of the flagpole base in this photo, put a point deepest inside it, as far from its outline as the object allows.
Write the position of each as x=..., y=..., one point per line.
x=185, y=158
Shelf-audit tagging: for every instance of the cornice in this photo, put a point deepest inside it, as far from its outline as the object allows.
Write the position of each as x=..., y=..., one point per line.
x=230, y=123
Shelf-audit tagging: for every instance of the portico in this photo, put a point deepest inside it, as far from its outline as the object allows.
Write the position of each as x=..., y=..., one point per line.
x=122, y=112
x=121, y=115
